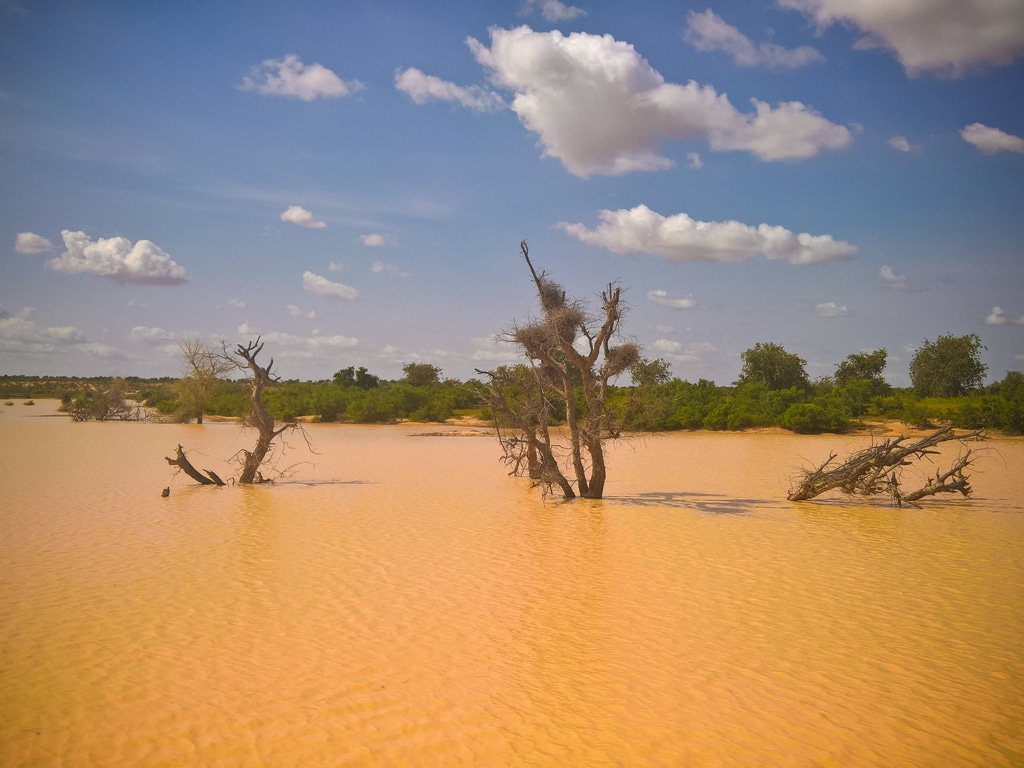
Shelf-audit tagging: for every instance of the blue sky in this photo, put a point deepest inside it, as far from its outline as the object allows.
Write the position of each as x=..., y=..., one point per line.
x=352, y=180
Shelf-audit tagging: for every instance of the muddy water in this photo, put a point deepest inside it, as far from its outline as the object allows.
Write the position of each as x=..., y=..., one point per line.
x=399, y=601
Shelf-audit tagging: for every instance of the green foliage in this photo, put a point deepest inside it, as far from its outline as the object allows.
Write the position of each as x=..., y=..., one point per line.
x=950, y=366
x=773, y=366
x=421, y=374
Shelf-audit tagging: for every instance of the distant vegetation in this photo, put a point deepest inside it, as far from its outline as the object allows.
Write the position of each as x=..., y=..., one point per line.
x=772, y=391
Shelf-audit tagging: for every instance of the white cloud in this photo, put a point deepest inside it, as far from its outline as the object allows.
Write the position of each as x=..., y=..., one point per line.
x=694, y=161
x=295, y=311
x=307, y=346
x=104, y=351
x=30, y=242
x=153, y=336
x=677, y=352
x=600, y=108
x=680, y=238
x=246, y=329
x=377, y=240
x=236, y=303
x=998, y=317
x=892, y=279
x=902, y=144
x=290, y=77
x=991, y=140
x=830, y=309
x=335, y=266
x=707, y=31
x=321, y=286
x=553, y=10
x=945, y=37
x=296, y=214
x=661, y=297
x=379, y=267
x=422, y=88
x=142, y=263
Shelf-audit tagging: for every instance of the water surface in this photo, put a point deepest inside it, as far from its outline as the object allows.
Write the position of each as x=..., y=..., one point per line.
x=398, y=600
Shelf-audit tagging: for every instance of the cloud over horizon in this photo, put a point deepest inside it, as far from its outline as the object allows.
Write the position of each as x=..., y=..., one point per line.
x=141, y=263
x=289, y=77
x=682, y=239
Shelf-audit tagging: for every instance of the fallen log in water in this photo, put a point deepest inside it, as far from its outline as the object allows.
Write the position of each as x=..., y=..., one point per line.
x=181, y=461
x=876, y=470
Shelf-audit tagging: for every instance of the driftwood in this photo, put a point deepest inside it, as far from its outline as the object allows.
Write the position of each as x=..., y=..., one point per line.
x=876, y=470
x=181, y=461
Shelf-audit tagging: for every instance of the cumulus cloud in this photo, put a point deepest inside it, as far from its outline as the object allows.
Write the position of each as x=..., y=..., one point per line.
x=999, y=317
x=681, y=238
x=830, y=309
x=944, y=37
x=902, y=144
x=600, y=108
x=693, y=160
x=296, y=311
x=422, y=88
x=290, y=77
x=143, y=262
x=296, y=214
x=708, y=31
x=30, y=242
x=377, y=240
x=661, y=297
x=892, y=279
x=236, y=303
x=991, y=140
x=552, y=10
x=321, y=286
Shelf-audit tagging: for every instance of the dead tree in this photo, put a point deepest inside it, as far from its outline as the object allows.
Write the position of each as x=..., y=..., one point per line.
x=877, y=470
x=568, y=349
x=262, y=377
x=181, y=461
x=522, y=418
x=263, y=421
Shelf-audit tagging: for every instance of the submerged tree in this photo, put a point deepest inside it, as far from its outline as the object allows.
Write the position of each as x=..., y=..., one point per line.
x=572, y=358
x=262, y=377
x=877, y=470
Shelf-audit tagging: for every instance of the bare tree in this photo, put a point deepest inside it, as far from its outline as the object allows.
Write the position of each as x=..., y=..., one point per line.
x=262, y=377
x=568, y=348
x=201, y=369
x=877, y=470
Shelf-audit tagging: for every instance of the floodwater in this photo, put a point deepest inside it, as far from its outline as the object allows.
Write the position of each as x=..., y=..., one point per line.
x=397, y=600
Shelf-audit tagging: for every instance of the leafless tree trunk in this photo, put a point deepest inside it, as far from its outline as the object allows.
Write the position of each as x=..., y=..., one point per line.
x=262, y=377
x=876, y=470
x=568, y=348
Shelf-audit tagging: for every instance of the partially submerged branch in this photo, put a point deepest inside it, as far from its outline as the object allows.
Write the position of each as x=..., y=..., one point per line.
x=876, y=470
x=181, y=461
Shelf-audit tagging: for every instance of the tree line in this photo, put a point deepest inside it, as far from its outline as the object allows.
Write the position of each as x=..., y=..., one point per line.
x=773, y=390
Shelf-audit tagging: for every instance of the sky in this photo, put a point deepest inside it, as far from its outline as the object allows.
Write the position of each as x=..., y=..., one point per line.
x=351, y=181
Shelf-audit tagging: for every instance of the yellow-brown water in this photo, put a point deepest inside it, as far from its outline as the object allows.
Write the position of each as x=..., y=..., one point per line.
x=399, y=600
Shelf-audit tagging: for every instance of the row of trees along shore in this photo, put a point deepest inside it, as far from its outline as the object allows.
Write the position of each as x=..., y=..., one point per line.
x=773, y=390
